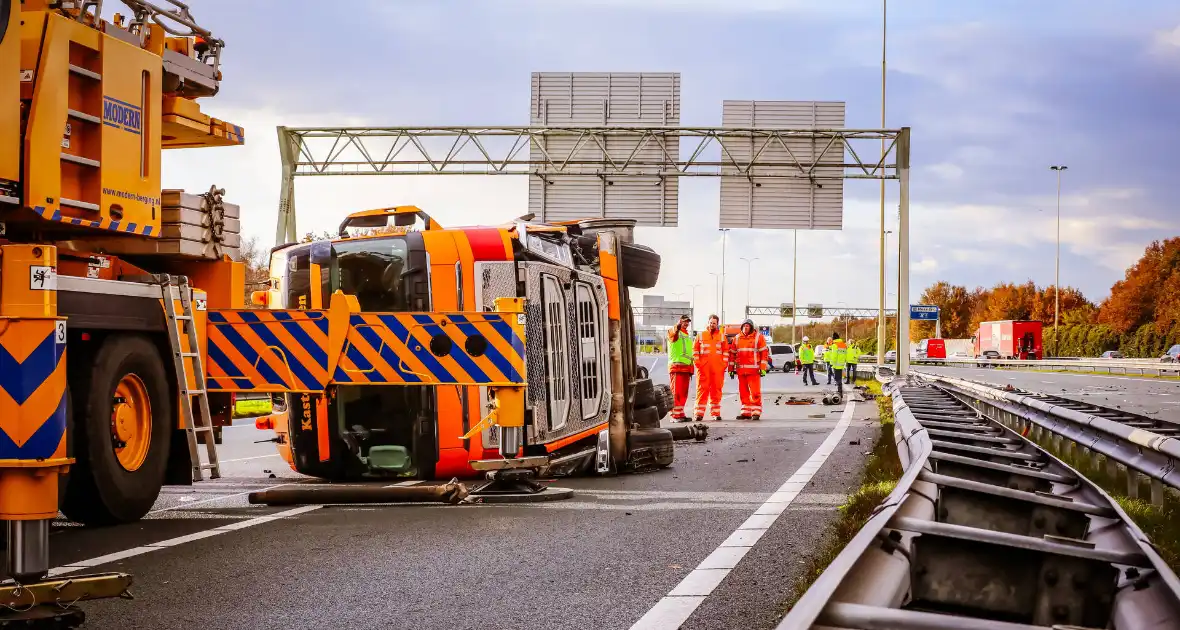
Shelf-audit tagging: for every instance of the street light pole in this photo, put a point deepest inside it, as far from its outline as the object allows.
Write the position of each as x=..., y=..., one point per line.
x=794, y=282
x=1057, y=265
x=717, y=293
x=749, y=266
x=693, y=305
x=881, y=313
x=724, y=234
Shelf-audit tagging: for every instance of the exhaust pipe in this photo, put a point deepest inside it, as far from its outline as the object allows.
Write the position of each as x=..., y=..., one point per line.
x=696, y=431
x=452, y=493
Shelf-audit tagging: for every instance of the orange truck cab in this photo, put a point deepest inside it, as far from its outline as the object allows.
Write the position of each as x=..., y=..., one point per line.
x=387, y=416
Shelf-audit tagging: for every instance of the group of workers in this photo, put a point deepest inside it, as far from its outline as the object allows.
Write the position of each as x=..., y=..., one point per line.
x=711, y=355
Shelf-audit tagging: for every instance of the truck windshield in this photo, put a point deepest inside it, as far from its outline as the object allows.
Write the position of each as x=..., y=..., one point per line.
x=371, y=269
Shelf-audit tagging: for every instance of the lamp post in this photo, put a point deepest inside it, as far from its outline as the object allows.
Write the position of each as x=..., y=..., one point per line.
x=846, y=317
x=881, y=312
x=724, y=234
x=717, y=293
x=794, y=281
x=1057, y=264
x=749, y=266
x=693, y=304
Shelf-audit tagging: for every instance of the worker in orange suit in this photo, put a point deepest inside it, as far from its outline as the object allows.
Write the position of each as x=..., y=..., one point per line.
x=680, y=360
x=752, y=357
x=711, y=355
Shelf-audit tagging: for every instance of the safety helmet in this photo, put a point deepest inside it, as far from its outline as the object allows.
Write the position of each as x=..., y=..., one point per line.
x=805, y=339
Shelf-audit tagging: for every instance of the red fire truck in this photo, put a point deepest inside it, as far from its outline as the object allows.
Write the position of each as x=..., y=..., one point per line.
x=1008, y=339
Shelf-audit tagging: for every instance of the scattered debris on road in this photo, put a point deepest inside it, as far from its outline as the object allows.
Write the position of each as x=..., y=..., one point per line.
x=698, y=432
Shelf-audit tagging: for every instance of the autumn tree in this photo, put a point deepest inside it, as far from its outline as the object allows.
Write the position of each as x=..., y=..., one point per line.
x=1150, y=292
x=257, y=267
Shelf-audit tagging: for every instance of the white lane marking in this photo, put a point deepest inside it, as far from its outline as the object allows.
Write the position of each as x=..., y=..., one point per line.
x=678, y=605
x=185, y=506
x=246, y=459
x=173, y=542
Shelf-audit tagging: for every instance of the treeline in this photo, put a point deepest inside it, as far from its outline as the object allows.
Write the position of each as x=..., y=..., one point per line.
x=1141, y=318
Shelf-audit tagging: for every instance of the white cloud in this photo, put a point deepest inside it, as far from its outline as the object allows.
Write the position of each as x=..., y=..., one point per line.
x=1167, y=41
x=946, y=170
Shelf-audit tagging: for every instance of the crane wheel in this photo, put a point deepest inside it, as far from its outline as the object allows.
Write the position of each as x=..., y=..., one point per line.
x=121, y=420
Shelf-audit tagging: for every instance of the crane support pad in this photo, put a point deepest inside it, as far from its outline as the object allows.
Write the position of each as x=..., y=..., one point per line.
x=297, y=350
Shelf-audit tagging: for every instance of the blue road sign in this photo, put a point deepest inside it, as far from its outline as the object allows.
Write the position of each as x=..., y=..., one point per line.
x=927, y=312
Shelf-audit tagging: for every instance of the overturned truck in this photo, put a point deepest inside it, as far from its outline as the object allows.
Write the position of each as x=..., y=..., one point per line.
x=437, y=375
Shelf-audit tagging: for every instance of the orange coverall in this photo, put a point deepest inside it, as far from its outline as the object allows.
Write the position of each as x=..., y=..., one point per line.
x=711, y=354
x=752, y=355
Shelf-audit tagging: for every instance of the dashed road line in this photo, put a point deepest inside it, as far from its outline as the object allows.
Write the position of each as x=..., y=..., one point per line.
x=678, y=605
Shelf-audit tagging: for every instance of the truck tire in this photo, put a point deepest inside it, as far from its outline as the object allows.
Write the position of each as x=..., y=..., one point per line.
x=658, y=440
x=110, y=484
x=646, y=418
x=641, y=266
x=645, y=394
x=664, y=400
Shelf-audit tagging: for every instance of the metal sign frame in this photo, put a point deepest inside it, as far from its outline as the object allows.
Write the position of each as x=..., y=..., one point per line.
x=470, y=151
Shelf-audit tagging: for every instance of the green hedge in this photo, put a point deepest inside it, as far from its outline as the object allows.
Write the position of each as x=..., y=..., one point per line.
x=1091, y=340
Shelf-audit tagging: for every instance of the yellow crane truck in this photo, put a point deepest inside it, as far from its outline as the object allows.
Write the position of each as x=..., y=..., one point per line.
x=124, y=335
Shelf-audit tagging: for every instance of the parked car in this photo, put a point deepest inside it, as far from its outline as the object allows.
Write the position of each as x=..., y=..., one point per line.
x=891, y=356
x=782, y=356
x=1172, y=355
x=1112, y=354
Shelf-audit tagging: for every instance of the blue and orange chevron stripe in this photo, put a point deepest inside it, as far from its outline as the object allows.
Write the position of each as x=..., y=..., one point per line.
x=276, y=351
x=103, y=223
x=32, y=391
x=396, y=348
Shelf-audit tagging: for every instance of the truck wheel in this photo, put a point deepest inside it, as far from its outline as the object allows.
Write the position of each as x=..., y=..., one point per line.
x=122, y=419
x=659, y=440
x=664, y=400
x=641, y=266
x=646, y=418
x=645, y=394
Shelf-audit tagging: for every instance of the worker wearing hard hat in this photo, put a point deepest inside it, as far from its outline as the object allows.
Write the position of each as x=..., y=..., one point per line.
x=680, y=366
x=753, y=355
x=710, y=352
x=837, y=356
x=807, y=358
x=854, y=353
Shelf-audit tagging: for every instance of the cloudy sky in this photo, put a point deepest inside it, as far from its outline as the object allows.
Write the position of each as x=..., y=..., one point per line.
x=995, y=91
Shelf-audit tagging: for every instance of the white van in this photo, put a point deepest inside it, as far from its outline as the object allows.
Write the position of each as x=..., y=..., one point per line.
x=782, y=357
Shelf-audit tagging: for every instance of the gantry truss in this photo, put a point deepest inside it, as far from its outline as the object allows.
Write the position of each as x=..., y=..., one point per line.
x=827, y=311
x=592, y=152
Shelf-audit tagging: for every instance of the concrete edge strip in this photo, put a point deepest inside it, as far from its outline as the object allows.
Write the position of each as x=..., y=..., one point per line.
x=678, y=605
x=180, y=540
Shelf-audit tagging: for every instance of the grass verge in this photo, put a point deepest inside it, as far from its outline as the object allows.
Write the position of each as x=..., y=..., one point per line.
x=1161, y=523
x=879, y=477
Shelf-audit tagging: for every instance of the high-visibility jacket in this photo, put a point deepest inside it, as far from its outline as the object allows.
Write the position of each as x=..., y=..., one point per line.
x=711, y=350
x=837, y=355
x=807, y=354
x=679, y=351
x=751, y=353
x=854, y=353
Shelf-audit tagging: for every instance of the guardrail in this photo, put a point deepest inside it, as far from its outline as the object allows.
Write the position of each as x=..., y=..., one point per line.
x=1112, y=366
x=986, y=530
x=1138, y=449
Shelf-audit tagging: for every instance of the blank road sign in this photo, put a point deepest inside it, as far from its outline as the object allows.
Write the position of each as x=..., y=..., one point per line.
x=597, y=99
x=815, y=200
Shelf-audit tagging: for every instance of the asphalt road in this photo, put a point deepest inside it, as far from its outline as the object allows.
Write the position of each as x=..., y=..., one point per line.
x=699, y=542
x=1159, y=398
